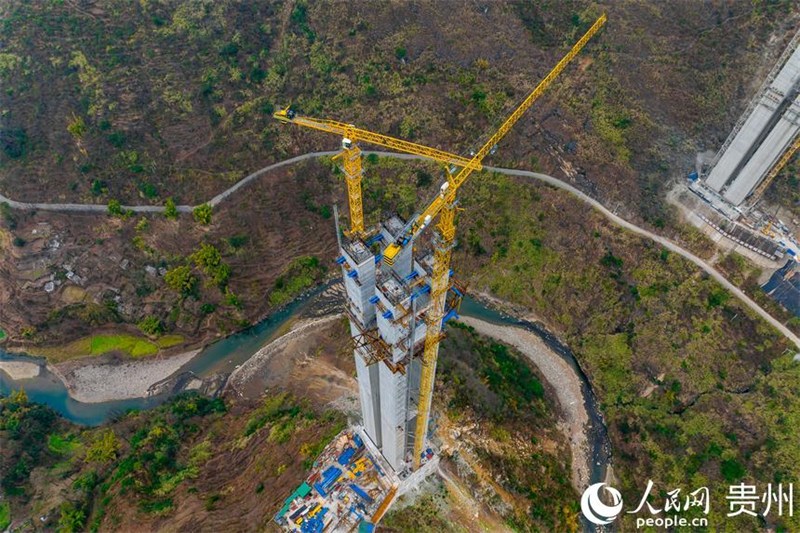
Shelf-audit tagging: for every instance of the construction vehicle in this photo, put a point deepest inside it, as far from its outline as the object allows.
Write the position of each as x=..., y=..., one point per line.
x=350, y=156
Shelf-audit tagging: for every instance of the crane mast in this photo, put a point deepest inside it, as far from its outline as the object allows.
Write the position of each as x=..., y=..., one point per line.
x=444, y=239
x=444, y=205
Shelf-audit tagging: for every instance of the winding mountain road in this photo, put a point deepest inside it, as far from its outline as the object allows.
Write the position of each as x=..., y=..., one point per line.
x=216, y=200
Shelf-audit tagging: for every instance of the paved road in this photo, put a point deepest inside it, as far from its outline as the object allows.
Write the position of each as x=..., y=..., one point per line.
x=666, y=243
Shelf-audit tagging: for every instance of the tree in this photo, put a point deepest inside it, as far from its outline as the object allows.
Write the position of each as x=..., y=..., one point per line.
x=209, y=259
x=104, y=449
x=19, y=397
x=170, y=211
x=202, y=214
x=181, y=280
x=114, y=208
x=150, y=325
x=72, y=519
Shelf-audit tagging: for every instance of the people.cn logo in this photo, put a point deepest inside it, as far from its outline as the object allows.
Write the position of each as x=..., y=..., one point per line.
x=595, y=510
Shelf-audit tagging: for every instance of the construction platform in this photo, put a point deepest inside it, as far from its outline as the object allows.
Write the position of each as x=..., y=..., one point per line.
x=349, y=488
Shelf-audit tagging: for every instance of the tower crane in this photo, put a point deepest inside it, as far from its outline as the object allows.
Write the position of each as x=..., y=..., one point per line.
x=350, y=156
x=445, y=205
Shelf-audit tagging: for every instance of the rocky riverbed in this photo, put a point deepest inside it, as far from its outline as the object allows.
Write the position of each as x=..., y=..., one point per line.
x=95, y=383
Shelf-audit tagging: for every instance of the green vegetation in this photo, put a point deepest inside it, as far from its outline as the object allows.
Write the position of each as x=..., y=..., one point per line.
x=63, y=444
x=72, y=519
x=301, y=274
x=502, y=385
x=283, y=416
x=145, y=465
x=181, y=280
x=2, y=334
x=487, y=382
x=77, y=127
x=114, y=208
x=99, y=345
x=151, y=325
x=237, y=241
x=134, y=346
x=168, y=341
x=25, y=427
x=428, y=514
x=334, y=423
x=7, y=216
x=202, y=214
x=209, y=259
x=170, y=210
x=5, y=515
x=104, y=449
x=664, y=345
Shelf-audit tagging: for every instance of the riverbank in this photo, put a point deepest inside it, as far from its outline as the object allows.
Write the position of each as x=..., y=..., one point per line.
x=20, y=369
x=105, y=382
x=562, y=378
x=261, y=359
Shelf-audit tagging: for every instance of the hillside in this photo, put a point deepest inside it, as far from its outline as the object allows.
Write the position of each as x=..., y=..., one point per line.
x=151, y=102
x=169, y=468
x=157, y=103
x=140, y=101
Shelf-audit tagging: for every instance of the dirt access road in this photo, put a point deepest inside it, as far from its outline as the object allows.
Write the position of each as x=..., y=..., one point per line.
x=616, y=219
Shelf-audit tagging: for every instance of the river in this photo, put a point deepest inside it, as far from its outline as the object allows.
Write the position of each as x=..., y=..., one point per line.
x=220, y=357
x=224, y=355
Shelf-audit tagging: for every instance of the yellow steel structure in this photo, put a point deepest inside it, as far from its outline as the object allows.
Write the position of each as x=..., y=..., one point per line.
x=444, y=239
x=350, y=156
x=775, y=171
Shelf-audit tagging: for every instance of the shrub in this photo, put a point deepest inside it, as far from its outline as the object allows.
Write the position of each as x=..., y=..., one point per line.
x=170, y=211
x=99, y=187
x=181, y=280
x=237, y=241
x=5, y=514
x=148, y=190
x=117, y=139
x=150, y=325
x=77, y=127
x=731, y=470
x=114, y=208
x=202, y=214
x=104, y=449
x=209, y=259
x=71, y=519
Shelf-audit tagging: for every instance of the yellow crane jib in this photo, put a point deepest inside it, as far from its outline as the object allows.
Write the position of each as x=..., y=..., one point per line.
x=350, y=156
x=354, y=134
x=454, y=182
x=444, y=205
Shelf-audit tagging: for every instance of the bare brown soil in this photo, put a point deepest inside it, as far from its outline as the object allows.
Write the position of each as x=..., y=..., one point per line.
x=103, y=272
